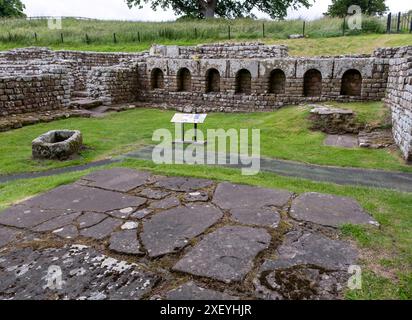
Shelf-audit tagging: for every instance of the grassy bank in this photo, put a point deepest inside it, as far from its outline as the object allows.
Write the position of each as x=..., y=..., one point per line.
x=324, y=36
x=285, y=135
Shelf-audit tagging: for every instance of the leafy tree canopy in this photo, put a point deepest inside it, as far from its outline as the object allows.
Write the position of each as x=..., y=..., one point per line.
x=339, y=8
x=223, y=8
x=11, y=8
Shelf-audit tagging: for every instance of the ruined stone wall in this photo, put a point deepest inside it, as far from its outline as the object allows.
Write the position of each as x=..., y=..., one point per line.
x=399, y=96
x=33, y=93
x=113, y=85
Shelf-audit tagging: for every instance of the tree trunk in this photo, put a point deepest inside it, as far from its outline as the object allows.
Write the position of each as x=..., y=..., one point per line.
x=208, y=8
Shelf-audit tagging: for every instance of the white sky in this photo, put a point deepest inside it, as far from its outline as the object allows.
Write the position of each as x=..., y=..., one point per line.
x=117, y=9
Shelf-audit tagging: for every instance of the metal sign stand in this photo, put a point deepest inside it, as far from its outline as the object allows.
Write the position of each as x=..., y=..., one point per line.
x=194, y=119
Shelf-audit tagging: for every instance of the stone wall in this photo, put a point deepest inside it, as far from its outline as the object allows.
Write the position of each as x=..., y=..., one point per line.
x=399, y=96
x=33, y=93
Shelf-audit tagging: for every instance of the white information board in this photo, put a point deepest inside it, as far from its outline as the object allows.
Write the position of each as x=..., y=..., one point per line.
x=189, y=118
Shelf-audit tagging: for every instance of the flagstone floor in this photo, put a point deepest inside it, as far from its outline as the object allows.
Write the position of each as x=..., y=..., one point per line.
x=126, y=234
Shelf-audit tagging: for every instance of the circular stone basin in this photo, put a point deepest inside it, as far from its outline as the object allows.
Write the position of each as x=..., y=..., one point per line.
x=57, y=144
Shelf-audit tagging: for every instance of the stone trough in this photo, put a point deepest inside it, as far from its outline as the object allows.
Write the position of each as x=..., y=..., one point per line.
x=57, y=144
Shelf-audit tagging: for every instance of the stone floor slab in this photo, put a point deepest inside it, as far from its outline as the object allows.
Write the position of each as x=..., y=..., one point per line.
x=226, y=255
x=183, y=184
x=192, y=292
x=125, y=242
x=87, y=275
x=22, y=216
x=329, y=210
x=67, y=232
x=7, y=235
x=343, y=141
x=102, y=230
x=117, y=179
x=165, y=204
x=264, y=217
x=304, y=248
x=57, y=223
x=230, y=196
x=90, y=219
x=79, y=198
x=170, y=231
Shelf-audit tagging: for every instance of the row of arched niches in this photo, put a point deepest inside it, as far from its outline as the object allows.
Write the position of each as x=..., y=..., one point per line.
x=351, y=83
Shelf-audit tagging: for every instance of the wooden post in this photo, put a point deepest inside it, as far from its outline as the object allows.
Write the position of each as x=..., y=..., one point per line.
x=62, y=37
x=389, y=23
x=138, y=36
x=35, y=36
x=410, y=27
x=87, y=39
x=195, y=33
x=343, y=26
x=228, y=30
x=263, y=29
x=304, y=28
x=398, y=28
x=114, y=38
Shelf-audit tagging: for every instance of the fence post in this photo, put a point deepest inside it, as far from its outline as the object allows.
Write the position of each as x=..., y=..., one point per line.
x=62, y=37
x=228, y=30
x=410, y=28
x=35, y=36
x=114, y=38
x=389, y=23
x=195, y=33
x=398, y=28
x=87, y=39
x=263, y=29
x=304, y=28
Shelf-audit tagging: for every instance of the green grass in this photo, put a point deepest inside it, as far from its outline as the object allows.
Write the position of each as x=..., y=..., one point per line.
x=324, y=36
x=284, y=135
x=388, y=278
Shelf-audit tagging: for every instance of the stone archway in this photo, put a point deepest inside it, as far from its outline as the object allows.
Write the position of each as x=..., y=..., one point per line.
x=244, y=82
x=277, y=82
x=312, y=83
x=351, y=83
x=184, y=80
x=212, y=80
x=157, y=79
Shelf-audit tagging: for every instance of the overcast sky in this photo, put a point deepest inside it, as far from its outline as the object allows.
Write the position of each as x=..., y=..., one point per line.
x=117, y=9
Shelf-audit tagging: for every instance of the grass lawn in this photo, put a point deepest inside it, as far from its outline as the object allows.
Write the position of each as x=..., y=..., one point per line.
x=386, y=253
x=284, y=135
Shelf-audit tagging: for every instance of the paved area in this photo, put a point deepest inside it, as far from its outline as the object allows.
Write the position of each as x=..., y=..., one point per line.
x=126, y=234
x=342, y=141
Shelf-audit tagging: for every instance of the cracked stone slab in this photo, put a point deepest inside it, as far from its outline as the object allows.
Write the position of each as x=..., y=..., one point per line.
x=140, y=214
x=231, y=196
x=183, y=184
x=165, y=204
x=154, y=194
x=264, y=217
x=7, y=235
x=226, y=255
x=86, y=274
x=118, y=179
x=329, y=210
x=127, y=212
x=90, y=219
x=79, y=198
x=171, y=230
x=102, y=230
x=21, y=216
x=125, y=242
x=192, y=292
x=67, y=232
x=57, y=223
x=304, y=248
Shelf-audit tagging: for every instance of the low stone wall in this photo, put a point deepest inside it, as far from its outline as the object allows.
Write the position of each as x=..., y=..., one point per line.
x=399, y=96
x=33, y=93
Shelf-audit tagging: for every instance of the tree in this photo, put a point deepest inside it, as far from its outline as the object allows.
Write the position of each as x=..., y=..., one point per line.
x=11, y=8
x=339, y=8
x=223, y=8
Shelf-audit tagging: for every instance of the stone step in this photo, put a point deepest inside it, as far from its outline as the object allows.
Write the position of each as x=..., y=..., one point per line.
x=83, y=103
